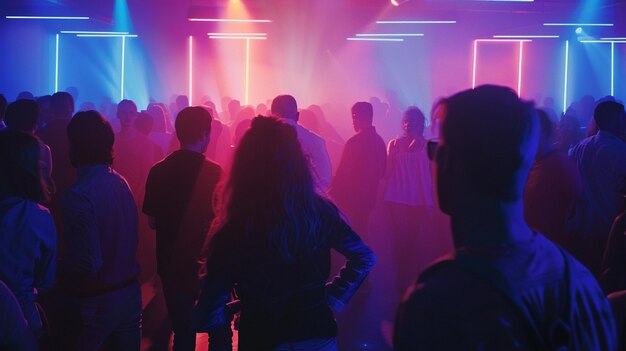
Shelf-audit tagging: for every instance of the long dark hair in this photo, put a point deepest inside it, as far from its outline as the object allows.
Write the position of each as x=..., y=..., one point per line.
x=20, y=174
x=271, y=192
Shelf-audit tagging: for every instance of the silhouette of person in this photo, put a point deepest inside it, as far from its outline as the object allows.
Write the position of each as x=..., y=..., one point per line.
x=178, y=201
x=273, y=240
x=286, y=108
x=363, y=163
x=100, y=271
x=506, y=287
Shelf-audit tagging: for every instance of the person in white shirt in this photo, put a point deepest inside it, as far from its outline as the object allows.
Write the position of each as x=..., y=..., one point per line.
x=314, y=147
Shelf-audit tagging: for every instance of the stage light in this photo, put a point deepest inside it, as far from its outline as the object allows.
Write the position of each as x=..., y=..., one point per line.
x=612, y=68
x=519, y=67
x=580, y=24
x=238, y=34
x=107, y=35
x=415, y=22
x=604, y=41
x=390, y=35
x=88, y=32
x=228, y=20
x=565, y=79
x=190, y=70
x=123, y=64
x=56, y=65
x=50, y=17
x=526, y=36
x=235, y=37
x=579, y=30
x=398, y=2
x=375, y=39
x=622, y=38
x=247, y=87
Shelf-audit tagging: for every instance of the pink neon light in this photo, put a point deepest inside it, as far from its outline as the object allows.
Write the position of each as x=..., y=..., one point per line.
x=190, y=70
x=519, y=69
x=520, y=60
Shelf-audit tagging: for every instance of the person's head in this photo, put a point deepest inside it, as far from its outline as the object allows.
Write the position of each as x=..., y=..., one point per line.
x=413, y=121
x=158, y=117
x=271, y=189
x=487, y=145
x=20, y=174
x=182, y=101
x=285, y=106
x=23, y=115
x=25, y=95
x=362, y=115
x=144, y=123
x=609, y=116
x=61, y=105
x=90, y=139
x=193, y=126
x=127, y=112
x=234, y=106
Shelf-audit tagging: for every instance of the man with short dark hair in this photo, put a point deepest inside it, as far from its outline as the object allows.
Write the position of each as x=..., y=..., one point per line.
x=355, y=185
x=507, y=287
x=178, y=201
x=601, y=161
x=100, y=271
x=286, y=108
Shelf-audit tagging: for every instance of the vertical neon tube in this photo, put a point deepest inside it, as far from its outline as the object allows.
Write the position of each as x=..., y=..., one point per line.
x=612, y=68
x=247, y=89
x=123, y=64
x=190, y=70
x=474, y=65
x=56, y=65
x=519, y=69
x=565, y=79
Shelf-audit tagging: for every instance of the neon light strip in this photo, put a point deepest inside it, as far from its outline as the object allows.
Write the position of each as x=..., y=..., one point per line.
x=565, y=79
x=604, y=41
x=190, y=70
x=49, y=17
x=415, y=22
x=527, y=36
x=474, y=64
x=391, y=35
x=502, y=40
x=612, y=68
x=623, y=38
x=123, y=61
x=107, y=35
x=519, y=69
x=56, y=65
x=238, y=34
x=89, y=32
x=247, y=89
x=580, y=24
x=375, y=39
x=233, y=37
x=229, y=20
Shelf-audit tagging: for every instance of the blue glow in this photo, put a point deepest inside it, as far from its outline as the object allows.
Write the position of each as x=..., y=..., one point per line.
x=50, y=17
x=604, y=41
x=565, y=79
x=121, y=16
x=89, y=32
x=622, y=38
x=415, y=22
x=375, y=39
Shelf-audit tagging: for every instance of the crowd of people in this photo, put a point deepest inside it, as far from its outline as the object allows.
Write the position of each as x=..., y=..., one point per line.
x=237, y=216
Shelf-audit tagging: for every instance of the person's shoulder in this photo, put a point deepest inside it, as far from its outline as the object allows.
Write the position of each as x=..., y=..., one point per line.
x=212, y=167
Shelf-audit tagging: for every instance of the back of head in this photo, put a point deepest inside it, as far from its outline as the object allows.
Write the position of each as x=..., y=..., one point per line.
x=144, y=123
x=191, y=123
x=19, y=166
x=3, y=106
x=25, y=95
x=547, y=127
x=158, y=117
x=182, y=101
x=363, y=111
x=285, y=106
x=492, y=137
x=22, y=115
x=62, y=105
x=91, y=139
x=609, y=116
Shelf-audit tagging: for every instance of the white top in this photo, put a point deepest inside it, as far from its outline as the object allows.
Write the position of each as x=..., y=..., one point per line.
x=314, y=148
x=409, y=179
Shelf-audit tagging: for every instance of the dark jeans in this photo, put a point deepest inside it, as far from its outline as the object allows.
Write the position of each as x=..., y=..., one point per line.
x=179, y=304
